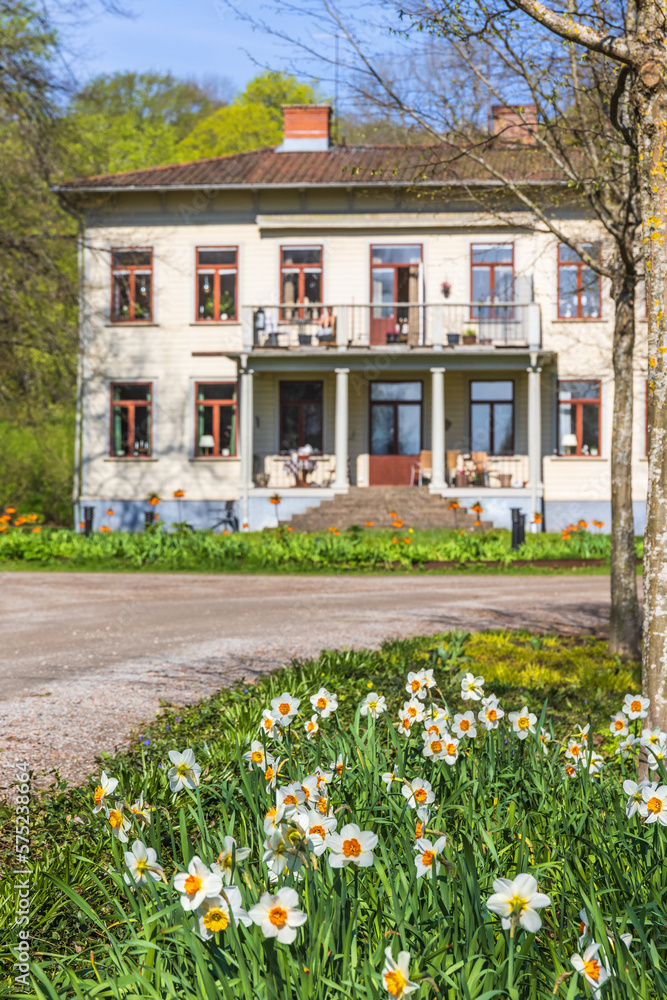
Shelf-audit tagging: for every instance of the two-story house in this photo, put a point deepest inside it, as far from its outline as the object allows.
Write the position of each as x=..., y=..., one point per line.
x=315, y=319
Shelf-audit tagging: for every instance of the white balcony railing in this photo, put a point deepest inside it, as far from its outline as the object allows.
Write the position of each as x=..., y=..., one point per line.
x=440, y=326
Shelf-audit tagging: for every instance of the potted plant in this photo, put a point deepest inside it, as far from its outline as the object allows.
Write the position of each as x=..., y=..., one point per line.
x=469, y=337
x=446, y=289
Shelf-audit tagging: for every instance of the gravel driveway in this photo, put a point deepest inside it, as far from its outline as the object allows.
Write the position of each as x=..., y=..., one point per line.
x=85, y=658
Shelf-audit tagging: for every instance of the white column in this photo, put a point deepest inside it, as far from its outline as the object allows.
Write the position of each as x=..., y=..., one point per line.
x=340, y=480
x=534, y=436
x=247, y=422
x=437, y=428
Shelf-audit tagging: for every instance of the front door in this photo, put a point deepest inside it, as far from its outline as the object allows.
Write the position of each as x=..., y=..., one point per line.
x=396, y=431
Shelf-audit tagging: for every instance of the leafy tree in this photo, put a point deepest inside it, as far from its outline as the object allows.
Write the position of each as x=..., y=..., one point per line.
x=253, y=120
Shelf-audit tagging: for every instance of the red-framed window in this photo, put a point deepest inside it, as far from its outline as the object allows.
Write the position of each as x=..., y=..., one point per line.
x=300, y=415
x=217, y=284
x=579, y=415
x=300, y=281
x=131, y=432
x=216, y=419
x=579, y=287
x=492, y=416
x=131, y=285
x=491, y=279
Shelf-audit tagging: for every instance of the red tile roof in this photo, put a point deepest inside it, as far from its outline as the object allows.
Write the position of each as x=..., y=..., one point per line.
x=339, y=166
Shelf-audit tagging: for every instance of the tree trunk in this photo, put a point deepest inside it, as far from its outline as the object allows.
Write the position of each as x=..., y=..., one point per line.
x=624, y=621
x=650, y=105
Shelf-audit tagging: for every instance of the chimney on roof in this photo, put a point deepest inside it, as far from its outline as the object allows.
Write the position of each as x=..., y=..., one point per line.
x=306, y=128
x=515, y=122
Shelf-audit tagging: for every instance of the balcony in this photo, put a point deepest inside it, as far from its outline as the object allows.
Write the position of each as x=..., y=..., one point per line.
x=394, y=325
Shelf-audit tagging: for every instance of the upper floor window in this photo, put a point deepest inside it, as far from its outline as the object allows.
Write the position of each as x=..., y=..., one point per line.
x=216, y=283
x=492, y=266
x=578, y=284
x=131, y=285
x=492, y=417
x=131, y=419
x=579, y=418
x=300, y=281
x=216, y=419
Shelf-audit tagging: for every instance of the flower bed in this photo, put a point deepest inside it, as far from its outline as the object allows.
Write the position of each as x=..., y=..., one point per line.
x=371, y=844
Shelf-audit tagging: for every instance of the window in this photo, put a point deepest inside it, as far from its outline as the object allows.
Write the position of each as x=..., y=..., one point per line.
x=300, y=280
x=300, y=415
x=396, y=411
x=578, y=418
x=216, y=422
x=578, y=285
x=216, y=283
x=492, y=280
x=131, y=419
x=492, y=417
x=131, y=286
x=395, y=278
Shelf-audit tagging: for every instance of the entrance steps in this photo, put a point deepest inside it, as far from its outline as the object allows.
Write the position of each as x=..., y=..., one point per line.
x=414, y=505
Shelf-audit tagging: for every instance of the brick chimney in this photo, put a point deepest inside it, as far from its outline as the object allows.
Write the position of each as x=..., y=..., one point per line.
x=306, y=128
x=515, y=122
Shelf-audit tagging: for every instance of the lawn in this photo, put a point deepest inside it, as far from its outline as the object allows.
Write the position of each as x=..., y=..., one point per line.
x=505, y=806
x=282, y=551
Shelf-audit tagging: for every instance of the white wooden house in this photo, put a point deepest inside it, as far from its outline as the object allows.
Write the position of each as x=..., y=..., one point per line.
x=352, y=305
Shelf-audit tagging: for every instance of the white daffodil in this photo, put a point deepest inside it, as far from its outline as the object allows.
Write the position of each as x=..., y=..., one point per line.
x=185, y=772
x=418, y=792
x=271, y=773
x=273, y=820
x=652, y=737
x=324, y=702
x=635, y=707
x=268, y=725
x=284, y=708
x=339, y=765
x=351, y=846
x=472, y=688
x=290, y=797
x=278, y=916
x=103, y=791
x=373, y=704
x=423, y=814
x=434, y=727
x=406, y=723
x=451, y=750
x=229, y=855
x=653, y=806
x=574, y=750
x=490, y=714
x=434, y=747
x=545, y=738
x=316, y=828
x=570, y=769
x=257, y=756
x=416, y=685
x=413, y=708
x=428, y=681
x=427, y=858
x=285, y=851
x=310, y=786
x=656, y=755
x=215, y=911
x=312, y=727
x=618, y=725
x=594, y=969
x=464, y=725
x=142, y=865
x=517, y=901
x=396, y=975
x=197, y=884
x=141, y=811
x=119, y=822
x=580, y=733
x=594, y=762
x=323, y=778
x=635, y=794
x=522, y=722
x=584, y=927
x=389, y=777
x=626, y=746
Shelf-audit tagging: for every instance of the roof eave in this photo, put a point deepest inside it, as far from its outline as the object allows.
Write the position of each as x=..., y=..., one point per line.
x=115, y=189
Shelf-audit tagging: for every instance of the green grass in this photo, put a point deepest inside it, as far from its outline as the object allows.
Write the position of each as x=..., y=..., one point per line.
x=506, y=808
x=280, y=551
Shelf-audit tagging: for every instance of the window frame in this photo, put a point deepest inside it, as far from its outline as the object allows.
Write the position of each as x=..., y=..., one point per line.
x=579, y=265
x=492, y=403
x=132, y=269
x=300, y=307
x=132, y=403
x=216, y=269
x=300, y=404
x=217, y=403
x=475, y=310
x=395, y=403
x=579, y=403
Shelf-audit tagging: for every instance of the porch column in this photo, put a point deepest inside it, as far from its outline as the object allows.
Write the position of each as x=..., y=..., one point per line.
x=534, y=436
x=246, y=428
x=437, y=428
x=340, y=480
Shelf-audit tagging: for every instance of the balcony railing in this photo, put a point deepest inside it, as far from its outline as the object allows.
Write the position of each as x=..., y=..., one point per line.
x=440, y=326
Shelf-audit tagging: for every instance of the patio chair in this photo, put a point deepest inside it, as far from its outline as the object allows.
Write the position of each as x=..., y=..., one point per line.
x=480, y=461
x=423, y=467
x=452, y=462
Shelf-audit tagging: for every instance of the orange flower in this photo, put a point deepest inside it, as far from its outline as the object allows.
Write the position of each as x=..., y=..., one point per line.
x=598, y=524
x=454, y=505
x=368, y=524
x=290, y=528
x=82, y=524
x=461, y=531
x=582, y=525
x=157, y=517
x=105, y=527
x=392, y=513
x=478, y=524
x=19, y=520
x=332, y=530
x=5, y=518
x=154, y=501
x=537, y=519
x=225, y=532
x=408, y=541
x=336, y=531
x=275, y=498
x=36, y=530
x=31, y=517
x=477, y=507
x=245, y=526
x=179, y=494
x=398, y=523
x=3, y=527
x=394, y=541
x=110, y=512
x=11, y=510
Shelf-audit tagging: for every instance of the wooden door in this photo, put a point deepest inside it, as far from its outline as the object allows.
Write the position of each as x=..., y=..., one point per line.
x=395, y=432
